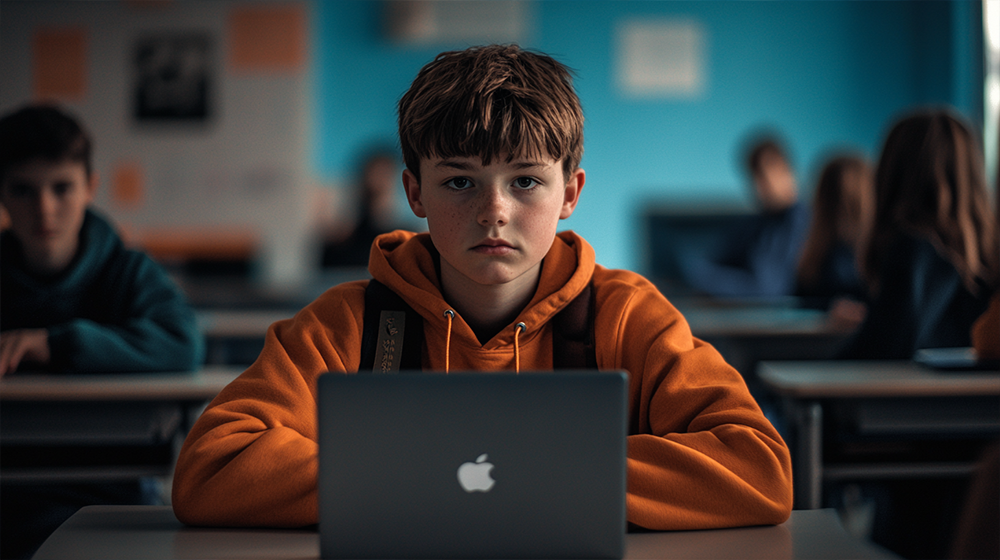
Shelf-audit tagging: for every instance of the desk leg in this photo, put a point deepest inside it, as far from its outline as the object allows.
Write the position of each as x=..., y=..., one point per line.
x=809, y=456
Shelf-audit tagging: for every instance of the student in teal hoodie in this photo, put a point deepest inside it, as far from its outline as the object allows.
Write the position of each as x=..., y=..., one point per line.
x=73, y=300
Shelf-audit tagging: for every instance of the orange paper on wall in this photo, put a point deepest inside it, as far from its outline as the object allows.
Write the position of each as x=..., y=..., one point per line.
x=267, y=38
x=127, y=187
x=60, y=62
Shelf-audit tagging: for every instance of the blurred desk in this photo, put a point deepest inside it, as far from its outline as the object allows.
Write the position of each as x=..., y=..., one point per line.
x=755, y=320
x=85, y=427
x=889, y=419
x=235, y=337
x=749, y=332
x=152, y=532
x=234, y=314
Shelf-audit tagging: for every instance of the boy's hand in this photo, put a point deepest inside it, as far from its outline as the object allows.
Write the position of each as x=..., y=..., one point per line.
x=846, y=314
x=30, y=345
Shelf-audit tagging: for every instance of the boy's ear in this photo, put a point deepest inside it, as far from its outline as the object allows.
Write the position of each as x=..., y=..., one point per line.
x=412, y=186
x=92, y=187
x=572, y=193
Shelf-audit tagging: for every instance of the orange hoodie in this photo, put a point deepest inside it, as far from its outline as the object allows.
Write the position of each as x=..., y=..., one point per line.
x=700, y=452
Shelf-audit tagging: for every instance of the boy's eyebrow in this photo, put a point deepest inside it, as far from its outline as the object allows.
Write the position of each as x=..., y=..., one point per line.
x=465, y=166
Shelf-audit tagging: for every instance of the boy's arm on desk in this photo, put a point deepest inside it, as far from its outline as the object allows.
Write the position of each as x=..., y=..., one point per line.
x=148, y=327
x=701, y=454
x=252, y=457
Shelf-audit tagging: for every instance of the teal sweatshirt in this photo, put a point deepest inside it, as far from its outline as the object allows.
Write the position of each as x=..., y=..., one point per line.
x=112, y=310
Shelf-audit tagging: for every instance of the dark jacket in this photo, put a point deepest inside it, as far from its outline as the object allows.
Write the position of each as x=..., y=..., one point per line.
x=758, y=258
x=112, y=310
x=922, y=303
x=838, y=278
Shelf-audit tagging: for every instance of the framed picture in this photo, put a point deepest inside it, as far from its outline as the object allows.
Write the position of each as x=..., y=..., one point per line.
x=173, y=79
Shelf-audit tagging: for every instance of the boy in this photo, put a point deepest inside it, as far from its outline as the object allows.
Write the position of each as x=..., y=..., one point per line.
x=492, y=138
x=74, y=300
x=760, y=256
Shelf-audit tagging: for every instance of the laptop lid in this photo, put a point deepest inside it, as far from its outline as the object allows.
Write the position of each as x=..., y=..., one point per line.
x=472, y=465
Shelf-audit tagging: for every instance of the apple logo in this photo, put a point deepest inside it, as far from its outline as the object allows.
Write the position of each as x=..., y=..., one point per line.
x=475, y=477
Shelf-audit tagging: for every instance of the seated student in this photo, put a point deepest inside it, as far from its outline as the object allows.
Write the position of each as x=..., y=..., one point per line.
x=986, y=330
x=376, y=213
x=758, y=256
x=492, y=139
x=931, y=260
x=74, y=300
x=827, y=275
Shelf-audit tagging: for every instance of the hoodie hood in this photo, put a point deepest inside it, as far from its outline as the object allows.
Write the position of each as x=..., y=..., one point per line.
x=407, y=263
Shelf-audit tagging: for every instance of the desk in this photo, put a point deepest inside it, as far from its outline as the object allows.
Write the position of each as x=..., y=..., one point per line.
x=749, y=332
x=127, y=412
x=152, y=532
x=883, y=403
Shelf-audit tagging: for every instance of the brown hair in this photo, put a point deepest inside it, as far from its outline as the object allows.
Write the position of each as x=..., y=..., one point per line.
x=491, y=100
x=842, y=210
x=42, y=132
x=930, y=182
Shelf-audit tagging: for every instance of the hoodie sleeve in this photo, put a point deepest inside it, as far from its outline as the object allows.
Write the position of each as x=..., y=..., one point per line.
x=251, y=459
x=701, y=454
x=146, y=324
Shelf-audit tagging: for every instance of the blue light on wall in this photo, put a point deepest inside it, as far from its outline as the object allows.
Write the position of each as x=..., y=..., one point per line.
x=827, y=74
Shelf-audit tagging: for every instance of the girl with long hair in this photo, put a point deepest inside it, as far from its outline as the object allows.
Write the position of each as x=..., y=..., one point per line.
x=931, y=261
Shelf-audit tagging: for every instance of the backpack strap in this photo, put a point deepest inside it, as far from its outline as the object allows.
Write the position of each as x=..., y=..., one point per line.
x=573, y=333
x=392, y=334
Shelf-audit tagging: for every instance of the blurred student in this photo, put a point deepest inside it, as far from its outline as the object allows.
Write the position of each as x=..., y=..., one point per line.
x=74, y=300
x=931, y=260
x=379, y=183
x=827, y=275
x=759, y=256
x=986, y=329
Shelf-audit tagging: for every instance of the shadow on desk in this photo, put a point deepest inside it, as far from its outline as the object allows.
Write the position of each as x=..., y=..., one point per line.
x=140, y=533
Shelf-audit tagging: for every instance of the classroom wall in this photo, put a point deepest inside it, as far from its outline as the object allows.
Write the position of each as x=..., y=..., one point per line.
x=241, y=172
x=827, y=74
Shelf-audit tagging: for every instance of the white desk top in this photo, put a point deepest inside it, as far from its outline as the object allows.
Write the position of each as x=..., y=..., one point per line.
x=152, y=532
x=203, y=384
x=877, y=378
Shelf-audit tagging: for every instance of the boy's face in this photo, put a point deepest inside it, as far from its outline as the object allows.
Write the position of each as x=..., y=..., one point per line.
x=492, y=224
x=775, y=183
x=46, y=202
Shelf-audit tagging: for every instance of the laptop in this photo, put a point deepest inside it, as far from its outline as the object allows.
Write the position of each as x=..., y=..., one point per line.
x=472, y=465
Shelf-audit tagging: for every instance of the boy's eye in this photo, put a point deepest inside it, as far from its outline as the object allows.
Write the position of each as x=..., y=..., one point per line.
x=61, y=188
x=458, y=183
x=525, y=182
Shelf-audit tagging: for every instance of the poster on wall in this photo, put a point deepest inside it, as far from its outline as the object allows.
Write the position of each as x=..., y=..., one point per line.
x=173, y=78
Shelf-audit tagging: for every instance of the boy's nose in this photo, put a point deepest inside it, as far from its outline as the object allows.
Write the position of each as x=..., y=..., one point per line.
x=46, y=203
x=494, y=207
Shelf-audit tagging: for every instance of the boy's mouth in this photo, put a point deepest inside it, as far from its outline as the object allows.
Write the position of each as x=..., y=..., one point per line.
x=493, y=247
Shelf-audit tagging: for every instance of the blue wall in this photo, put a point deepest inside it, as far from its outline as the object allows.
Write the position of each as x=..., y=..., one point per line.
x=827, y=74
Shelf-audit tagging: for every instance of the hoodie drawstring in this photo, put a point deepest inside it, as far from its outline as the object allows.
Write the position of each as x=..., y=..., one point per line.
x=518, y=328
x=447, y=339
